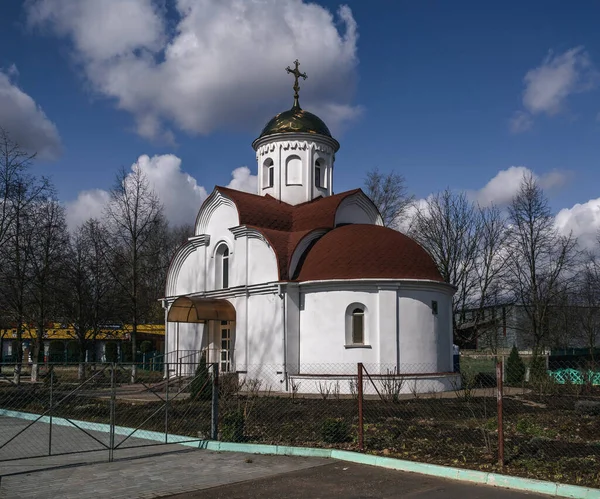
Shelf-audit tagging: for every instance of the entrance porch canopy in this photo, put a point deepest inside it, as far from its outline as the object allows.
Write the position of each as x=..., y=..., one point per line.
x=199, y=310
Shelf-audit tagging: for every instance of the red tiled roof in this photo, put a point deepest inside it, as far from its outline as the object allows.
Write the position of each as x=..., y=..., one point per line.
x=362, y=251
x=347, y=252
x=282, y=224
x=268, y=213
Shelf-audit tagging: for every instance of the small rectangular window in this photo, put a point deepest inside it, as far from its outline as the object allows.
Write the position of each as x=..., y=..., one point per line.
x=434, y=307
x=271, y=176
x=317, y=176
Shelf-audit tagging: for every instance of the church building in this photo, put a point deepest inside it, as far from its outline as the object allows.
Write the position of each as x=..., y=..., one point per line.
x=298, y=280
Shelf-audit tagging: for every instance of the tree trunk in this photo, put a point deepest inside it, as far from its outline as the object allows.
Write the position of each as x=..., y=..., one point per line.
x=18, y=358
x=81, y=368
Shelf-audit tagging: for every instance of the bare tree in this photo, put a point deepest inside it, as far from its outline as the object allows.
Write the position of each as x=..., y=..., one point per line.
x=49, y=249
x=449, y=228
x=17, y=253
x=489, y=275
x=388, y=192
x=132, y=216
x=14, y=163
x=87, y=303
x=588, y=316
x=541, y=261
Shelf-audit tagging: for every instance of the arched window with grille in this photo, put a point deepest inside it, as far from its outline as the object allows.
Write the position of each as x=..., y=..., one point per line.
x=319, y=173
x=358, y=326
x=222, y=267
x=268, y=173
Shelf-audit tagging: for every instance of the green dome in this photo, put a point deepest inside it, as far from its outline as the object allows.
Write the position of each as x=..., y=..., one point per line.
x=296, y=120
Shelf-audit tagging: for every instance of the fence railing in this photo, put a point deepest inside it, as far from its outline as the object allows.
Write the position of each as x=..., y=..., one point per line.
x=520, y=418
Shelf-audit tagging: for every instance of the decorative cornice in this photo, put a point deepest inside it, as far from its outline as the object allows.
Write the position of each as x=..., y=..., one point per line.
x=176, y=264
x=198, y=241
x=301, y=141
x=209, y=206
x=249, y=232
x=237, y=291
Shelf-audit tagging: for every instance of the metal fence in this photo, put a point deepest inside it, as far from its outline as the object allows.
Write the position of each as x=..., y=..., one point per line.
x=519, y=417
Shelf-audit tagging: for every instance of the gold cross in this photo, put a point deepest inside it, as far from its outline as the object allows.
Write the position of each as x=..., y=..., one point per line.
x=297, y=74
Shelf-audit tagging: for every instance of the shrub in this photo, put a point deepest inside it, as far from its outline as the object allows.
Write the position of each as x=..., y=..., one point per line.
x=232, y=426
x=111, y=351
x=201, y=386
x=146, y=346
x=538, y=371
x=126, y=351
x=56, y=352
x=72, y=351
x=515, y=368
x=335, y=430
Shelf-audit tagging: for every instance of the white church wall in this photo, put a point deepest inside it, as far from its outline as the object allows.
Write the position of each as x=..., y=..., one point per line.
x=262, y=265
x=190, y=277
x=357, y=209
x=292, y=312
x=323, y=327
x=388, y=322
x=293, y=180
x=265, y=330
x=224, y=217
x=293, y=176
x=425, y=345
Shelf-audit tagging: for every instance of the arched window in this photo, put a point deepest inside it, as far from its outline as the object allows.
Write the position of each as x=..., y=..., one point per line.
x=318, y=173
x=222, y=267
x=268, y=173
x=358, y=326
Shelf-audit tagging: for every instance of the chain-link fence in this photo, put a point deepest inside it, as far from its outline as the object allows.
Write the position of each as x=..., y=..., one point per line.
x=529, y=417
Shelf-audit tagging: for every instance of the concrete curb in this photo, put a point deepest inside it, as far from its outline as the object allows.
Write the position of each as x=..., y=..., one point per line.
x=463, y=475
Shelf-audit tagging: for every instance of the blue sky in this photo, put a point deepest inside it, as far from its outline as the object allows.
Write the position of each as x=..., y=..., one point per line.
x=446, y=93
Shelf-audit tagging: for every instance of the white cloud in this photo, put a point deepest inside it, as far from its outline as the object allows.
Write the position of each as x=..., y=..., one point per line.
x=179, y=192
x=243, y=180
x=583, y=220
x=221, y=65
x=25, y=121
x=520, y=122
x=548, y=86
x=89, y=204
x=501, y=189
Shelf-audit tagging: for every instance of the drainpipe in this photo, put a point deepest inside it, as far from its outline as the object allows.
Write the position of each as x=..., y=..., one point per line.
x=165, y=305
x=282, y=295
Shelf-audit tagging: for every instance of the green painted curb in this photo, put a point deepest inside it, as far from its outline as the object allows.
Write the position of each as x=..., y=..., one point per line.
x=463, y=475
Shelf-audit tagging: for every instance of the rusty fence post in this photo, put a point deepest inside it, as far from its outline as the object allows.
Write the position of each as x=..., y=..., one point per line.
x=500, y=413
x=360, y=407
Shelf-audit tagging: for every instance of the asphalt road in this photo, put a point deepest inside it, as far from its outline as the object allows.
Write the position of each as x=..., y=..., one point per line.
x=352, y=481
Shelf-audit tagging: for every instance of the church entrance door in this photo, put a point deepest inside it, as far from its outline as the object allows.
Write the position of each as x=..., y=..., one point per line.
x=225, y=355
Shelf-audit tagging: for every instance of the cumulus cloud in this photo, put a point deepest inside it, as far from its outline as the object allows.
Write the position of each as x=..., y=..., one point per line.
x=548, y=86
x=243, y=180
x=583, y=221
x=501, y=189
x=24, y=120
x=179, y=192
x=220, y=65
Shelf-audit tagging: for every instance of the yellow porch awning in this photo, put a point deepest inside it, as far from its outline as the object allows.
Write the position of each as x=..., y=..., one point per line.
x=200, y=310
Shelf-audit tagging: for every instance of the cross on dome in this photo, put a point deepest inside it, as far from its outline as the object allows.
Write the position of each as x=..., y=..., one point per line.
x=297, y=74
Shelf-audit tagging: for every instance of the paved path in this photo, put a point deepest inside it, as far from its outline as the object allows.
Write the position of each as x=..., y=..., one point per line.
x=154, y=476
x=353, y=481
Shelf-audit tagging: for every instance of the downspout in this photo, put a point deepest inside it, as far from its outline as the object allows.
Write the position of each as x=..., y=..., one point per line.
x=282, y=295
x=165, y=304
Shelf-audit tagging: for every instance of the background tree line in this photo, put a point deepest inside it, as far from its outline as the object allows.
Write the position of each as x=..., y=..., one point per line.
x=496, y=256
x=109, y=270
